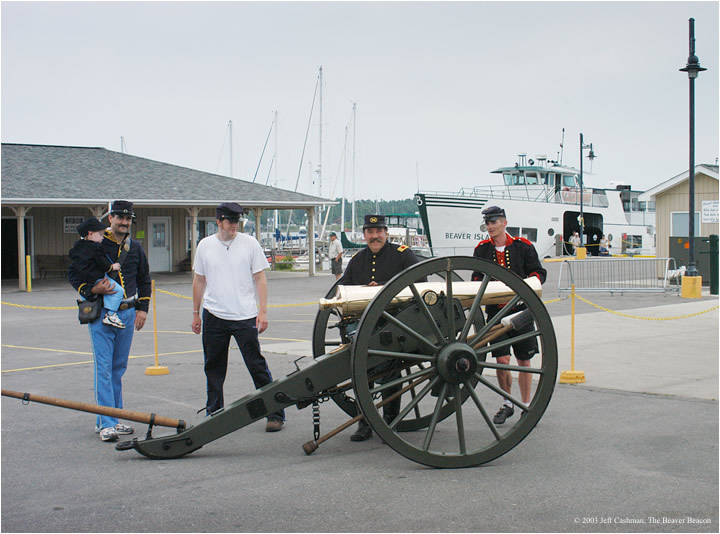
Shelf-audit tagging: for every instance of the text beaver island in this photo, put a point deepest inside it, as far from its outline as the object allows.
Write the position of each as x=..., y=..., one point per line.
x=460, y=235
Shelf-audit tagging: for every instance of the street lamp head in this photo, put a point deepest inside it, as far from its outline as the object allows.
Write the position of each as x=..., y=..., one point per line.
x=693, y=63
x=693, y=67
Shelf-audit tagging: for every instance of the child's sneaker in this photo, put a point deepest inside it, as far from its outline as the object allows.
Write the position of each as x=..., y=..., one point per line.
x=112, y=319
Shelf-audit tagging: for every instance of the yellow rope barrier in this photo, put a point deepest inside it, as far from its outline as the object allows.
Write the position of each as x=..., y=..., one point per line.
x=645, y=318
x=39, y=307
x=269, y=305
x=300, y=304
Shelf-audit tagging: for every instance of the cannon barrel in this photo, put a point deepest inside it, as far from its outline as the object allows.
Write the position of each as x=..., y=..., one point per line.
x=352, y=300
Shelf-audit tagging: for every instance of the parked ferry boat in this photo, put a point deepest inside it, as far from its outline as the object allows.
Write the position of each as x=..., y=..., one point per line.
x=542, y=202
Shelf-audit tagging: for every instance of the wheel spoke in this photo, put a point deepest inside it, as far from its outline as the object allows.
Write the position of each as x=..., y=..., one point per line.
x=413, y=393
x=450, y=303
x=507, y=342
x=508, y=367
x=405, y=328
x=496, y=318
x=435, y=417
x=426, y=313
x=474, y=308
x=483, y=412
x=459, y=419
x=401, y=355
x=501, y=392
x=399, y=381
x=412, y=405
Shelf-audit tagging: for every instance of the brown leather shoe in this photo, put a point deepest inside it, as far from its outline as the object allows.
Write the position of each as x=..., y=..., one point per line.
x=273, y=425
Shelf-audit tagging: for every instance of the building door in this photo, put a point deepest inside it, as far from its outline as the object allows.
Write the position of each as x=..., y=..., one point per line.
x=159, y=254
x=10, y=246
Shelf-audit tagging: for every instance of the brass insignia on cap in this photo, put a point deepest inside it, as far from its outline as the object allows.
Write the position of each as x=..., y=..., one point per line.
x=373, y=219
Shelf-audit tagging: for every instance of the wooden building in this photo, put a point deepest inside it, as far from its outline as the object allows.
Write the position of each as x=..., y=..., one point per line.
x=672, y=199
x=48, y=190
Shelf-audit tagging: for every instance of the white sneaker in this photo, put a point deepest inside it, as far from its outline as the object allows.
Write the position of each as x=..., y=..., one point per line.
x=108, y=434
x=124, y=429
x=112, y=319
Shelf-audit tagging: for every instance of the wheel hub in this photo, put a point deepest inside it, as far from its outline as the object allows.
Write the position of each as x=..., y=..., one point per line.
x=456, y=362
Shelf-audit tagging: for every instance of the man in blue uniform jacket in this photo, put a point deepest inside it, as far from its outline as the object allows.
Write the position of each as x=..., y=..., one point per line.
x=373, y=266
x=518, y=255
x=110, y=345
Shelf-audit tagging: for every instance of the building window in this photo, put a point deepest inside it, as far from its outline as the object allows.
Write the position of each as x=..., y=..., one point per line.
x=205, y=226
x=680, y=224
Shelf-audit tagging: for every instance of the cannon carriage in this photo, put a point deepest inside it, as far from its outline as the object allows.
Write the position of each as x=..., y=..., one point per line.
x=421, y=338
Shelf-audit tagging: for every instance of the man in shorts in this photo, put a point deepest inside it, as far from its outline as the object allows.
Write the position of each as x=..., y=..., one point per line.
x=519, y=255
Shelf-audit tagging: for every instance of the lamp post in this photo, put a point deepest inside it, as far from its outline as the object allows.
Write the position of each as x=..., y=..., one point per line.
x=591, y=156
x=693, y=68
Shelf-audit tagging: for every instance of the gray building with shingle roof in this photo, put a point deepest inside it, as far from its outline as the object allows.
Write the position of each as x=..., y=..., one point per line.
x=50, y=188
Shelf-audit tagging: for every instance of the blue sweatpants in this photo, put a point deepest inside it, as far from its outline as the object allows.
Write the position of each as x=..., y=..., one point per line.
x=111, y=349
x=112, y=301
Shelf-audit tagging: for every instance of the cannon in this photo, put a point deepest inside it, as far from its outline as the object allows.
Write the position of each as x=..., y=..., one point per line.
x=422, y=337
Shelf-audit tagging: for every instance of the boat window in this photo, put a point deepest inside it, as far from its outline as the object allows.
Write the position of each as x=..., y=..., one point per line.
x=518, y=179
x=513, y=231
x=551, y=179
x=568, y=180
x=530, y=234
x=531, y=178
x=508, y=179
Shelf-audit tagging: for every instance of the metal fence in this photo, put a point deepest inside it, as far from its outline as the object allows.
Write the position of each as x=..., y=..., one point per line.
x=620, y=275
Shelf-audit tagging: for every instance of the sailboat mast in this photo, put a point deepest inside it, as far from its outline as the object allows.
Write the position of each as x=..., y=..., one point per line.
x=319, y=170
x=353, y=173
x=231, y=145
x=342, y=208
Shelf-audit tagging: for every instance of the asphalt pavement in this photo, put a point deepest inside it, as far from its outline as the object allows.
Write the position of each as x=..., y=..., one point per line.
x=633, y=449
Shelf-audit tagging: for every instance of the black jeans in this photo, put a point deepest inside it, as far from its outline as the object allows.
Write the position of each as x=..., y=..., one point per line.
x=216, y=334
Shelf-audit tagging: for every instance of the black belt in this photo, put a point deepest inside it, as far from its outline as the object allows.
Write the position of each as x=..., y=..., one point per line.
x=128, y=303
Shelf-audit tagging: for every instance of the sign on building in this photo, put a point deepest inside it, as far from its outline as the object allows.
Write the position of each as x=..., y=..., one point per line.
x=70, y=224
x=710, y=211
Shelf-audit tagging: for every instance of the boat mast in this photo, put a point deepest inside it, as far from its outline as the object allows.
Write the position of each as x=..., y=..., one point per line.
x=342, y=208
x=319, y=169
x=353, y=172
x=231, y=165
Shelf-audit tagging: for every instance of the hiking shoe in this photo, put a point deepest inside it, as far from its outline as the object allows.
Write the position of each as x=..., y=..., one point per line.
x=503, y=414
x=124, y=429
x=273, y=425
x=362, y=433
x=108, y=434
x=112, y=319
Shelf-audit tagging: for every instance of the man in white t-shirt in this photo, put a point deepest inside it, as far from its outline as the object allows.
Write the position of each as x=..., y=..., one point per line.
x=229, y=267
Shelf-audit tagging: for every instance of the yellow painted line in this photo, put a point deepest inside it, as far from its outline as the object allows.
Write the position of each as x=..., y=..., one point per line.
x=131, y=357
x=44, y=367
x=263, y=338
x=49, y=350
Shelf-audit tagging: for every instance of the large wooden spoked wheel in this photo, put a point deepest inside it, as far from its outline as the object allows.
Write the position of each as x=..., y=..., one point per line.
x=452, y=367
x=327, y=337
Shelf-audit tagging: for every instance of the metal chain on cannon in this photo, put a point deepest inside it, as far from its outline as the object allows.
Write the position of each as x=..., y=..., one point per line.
x=316, y=420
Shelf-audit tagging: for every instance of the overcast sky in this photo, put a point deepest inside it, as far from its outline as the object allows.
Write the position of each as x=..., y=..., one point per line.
x=445, y=92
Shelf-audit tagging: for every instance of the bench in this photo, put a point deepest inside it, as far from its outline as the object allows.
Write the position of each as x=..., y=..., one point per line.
x=52, y=264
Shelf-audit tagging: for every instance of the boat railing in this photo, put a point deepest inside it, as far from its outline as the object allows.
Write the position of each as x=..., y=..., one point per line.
x=533, y=193
x=619, y=275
